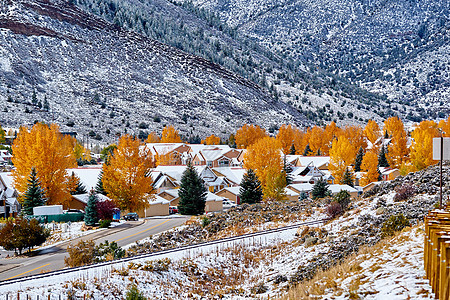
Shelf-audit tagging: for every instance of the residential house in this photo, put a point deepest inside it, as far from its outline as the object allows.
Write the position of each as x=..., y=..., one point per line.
x=9, y=205
x=171, y=196
x=320, y=162
x=213, y=203
x=157, y=206
x=231, y=193
x=217, y=157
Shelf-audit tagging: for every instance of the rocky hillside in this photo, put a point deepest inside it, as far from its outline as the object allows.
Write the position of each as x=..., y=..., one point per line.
x=399, y=48
x=60, y=64
x=319, y=94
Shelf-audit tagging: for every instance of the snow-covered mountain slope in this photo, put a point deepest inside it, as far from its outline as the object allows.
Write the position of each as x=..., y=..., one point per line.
x=321, y=95
x=396, y=47
x=101, y=79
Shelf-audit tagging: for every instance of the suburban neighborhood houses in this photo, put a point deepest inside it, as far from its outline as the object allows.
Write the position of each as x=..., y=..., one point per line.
x=219, y=166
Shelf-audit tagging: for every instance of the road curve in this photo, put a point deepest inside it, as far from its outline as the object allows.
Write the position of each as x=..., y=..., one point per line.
x=53, y=258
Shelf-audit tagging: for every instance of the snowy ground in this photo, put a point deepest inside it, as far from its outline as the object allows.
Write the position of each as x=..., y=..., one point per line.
x=255, y=268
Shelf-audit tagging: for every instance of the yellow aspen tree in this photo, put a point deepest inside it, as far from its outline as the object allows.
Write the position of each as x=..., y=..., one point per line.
x=342, y=155
x=422, y=145
x=397, y=149
x=264, y=157
x=211, y=140
x=170, y=135
x=248, y=135
x=354, y=135
x=372, y=131
x=316, y=139
x=78, y=150
x=286, y=137
x=44, y=148
x=153, y=138
x=370, y=166
x=299, y=141
x=126, y=177
x=444, y=125
x=331, y=132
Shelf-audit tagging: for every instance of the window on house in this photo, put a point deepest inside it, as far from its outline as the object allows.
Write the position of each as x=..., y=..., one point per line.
x=224, y=163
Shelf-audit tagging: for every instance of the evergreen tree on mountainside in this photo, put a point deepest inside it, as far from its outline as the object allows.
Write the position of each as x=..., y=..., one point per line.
x=91, y=217
x=347, y=178
x=192, y=193
x=382, y=160
x=250, y=191
x=358, y=160
x=292, y=151
x=307, y=151
x=34, y=195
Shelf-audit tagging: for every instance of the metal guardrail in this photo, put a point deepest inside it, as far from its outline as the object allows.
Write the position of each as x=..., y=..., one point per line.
x=161, y=252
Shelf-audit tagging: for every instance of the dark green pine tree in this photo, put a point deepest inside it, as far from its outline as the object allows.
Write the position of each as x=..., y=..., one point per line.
x=358, y=160
x=382, y=161
x=307, y=151
x=250, y=191
x=287, y=170
x=347, y=178
x=34, y=195
x=46, y=106
x=292, y=151
x=320, y=189
x=386, y=135
x=99, y=187
x=91, y=217
x=192, y=193
x=34, y=98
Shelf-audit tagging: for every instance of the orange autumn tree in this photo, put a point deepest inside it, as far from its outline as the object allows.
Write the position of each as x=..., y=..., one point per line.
x=44, y=148
x=444, y=125
x=247, y=135
x=315, y=138
x=355, y=136
x=153, y=138
x=126, y=177
x=370, y=166
x=211, y=140
x=422, y=145
x=78, y=150
x=397, y=151
x=342, y=155
x=289, y=136
x=264, y=157
x=372, y=132
x=330, y=133
x=170, y=135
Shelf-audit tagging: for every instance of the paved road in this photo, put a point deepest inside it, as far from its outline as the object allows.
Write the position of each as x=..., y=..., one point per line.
x=53, y=258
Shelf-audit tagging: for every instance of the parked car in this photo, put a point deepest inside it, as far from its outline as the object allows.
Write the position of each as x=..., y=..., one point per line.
x=131, y=217
x=173, y=210
x=227, y=204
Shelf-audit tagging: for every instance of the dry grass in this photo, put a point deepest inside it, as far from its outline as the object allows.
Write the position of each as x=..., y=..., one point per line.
x=329, y=281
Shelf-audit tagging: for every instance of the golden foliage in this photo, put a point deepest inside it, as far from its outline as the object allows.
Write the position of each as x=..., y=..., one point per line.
x=126, y=178
x=47, y=150
x=397, y=150
x=354, y=135
x=153, y=138
x=330, y=133
x=315, y=137
x=78, y=150
x=289, y=135
x=73, y=182
x=444, y=125
x=372, y=131
x=422, y=145
x=370, y=166
x=247, y=135
x=342, y=155
x=170, y=135
x=264, y=157
x=211, y=140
